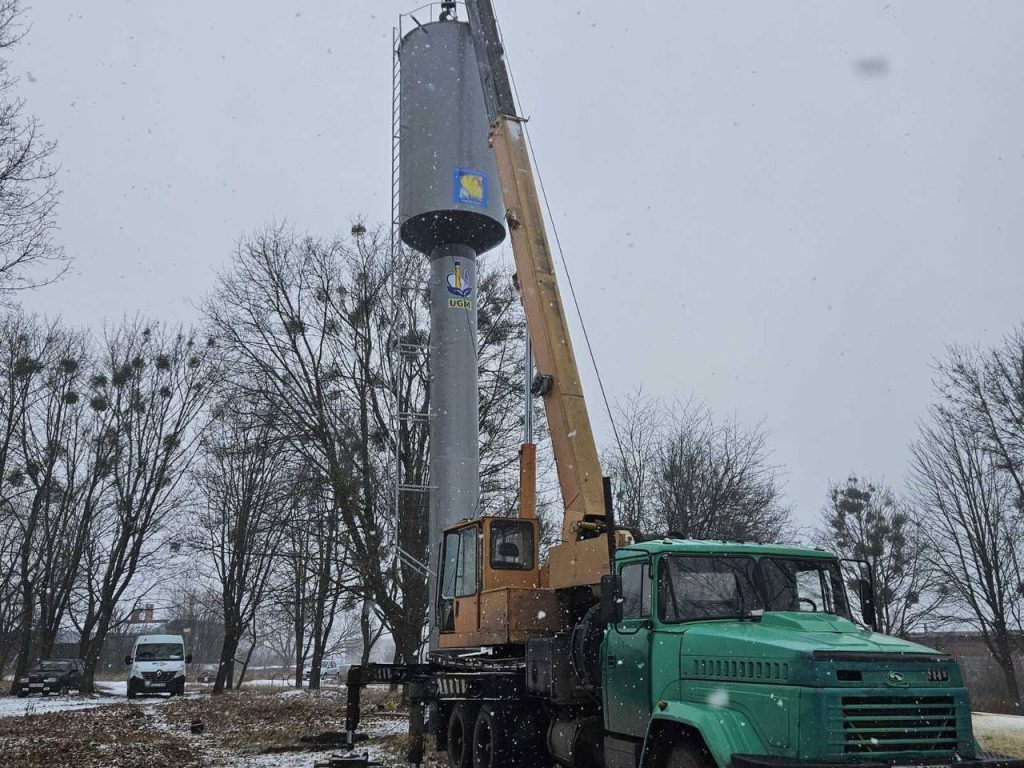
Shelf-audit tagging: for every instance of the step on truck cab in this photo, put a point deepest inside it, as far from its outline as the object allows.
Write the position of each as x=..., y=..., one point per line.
x=157, y=664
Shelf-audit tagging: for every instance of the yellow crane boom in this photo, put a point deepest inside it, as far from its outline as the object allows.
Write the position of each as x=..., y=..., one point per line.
x=582, y=557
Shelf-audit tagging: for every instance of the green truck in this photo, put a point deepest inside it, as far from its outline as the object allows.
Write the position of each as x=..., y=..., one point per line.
x=748, y=655
x=700, y=654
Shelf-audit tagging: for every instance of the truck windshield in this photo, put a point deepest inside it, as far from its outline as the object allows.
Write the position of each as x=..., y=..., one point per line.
x=798, y=584
x=729, y=587
x=159, y=652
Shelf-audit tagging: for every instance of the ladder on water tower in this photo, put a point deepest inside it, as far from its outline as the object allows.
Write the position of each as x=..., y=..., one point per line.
x=407, y=357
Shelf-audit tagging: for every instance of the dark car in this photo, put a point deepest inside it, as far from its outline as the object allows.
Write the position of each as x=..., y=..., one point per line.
x=51, y=676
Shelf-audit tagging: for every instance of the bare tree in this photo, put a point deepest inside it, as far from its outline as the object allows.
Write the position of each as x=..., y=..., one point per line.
x=19, y=383
x=27, y=485
x=312, y=328
x=243, y=476
x=327, y=557
x=48, y=439
x=633, y=461
x=973, y=529
x=865, y=521
x=28, y=188
x=47, y=494
x=988, y=388
x=680, y=469
x=151, y=388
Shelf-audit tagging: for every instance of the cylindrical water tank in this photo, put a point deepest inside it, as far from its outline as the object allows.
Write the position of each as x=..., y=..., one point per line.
x=449, y=183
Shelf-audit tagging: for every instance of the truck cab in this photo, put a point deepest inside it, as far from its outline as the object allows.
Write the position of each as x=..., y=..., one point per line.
x=157, y=665
x=745, y=655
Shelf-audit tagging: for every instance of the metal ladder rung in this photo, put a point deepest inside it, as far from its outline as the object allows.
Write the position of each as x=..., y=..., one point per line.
x=413, y=416
x=414, y=487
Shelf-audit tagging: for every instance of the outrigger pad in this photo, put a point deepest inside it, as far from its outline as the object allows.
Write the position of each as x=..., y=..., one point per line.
x=351, y=760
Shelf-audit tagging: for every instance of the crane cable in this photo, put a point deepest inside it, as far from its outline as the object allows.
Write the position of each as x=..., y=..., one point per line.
x=558, y=245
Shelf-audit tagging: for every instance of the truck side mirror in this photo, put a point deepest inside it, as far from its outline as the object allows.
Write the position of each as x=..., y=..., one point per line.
x=611, y=599
x=188, y=659
x=128, y=660
x=867, y=603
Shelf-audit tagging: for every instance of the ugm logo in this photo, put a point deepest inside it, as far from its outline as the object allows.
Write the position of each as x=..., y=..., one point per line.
x=457, y=284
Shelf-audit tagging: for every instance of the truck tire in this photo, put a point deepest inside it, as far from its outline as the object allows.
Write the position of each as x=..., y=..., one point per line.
x=686, y=754
x=460, y=735
x=492, y=747
x=131, y=690
x=22, y=693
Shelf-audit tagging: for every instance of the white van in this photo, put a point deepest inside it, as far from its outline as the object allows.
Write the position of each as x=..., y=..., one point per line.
x=157, y=665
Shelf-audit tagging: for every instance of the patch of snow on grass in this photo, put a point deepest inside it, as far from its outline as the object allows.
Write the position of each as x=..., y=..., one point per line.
x=11, y=706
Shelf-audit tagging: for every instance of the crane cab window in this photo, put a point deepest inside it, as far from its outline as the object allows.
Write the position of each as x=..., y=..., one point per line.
x=636, y=590
x=511, y=545
x=461, y=564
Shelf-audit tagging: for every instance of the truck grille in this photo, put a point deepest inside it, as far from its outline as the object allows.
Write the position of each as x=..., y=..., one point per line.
x=876, y=724
x=164, y=676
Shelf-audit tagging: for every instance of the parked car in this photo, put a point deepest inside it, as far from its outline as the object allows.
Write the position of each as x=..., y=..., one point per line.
x=207, y=673
x=332, y=670
x=157, y=665
x=52, y=676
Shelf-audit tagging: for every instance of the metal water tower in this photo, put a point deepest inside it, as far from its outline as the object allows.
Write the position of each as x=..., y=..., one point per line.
x=450, y=209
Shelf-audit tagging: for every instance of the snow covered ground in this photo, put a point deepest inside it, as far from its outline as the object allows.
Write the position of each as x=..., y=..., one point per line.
x=11, y=706
x=112, y=692
x=1001, y=722
x=1000, y=733
x=286, y=682
x=303, y=711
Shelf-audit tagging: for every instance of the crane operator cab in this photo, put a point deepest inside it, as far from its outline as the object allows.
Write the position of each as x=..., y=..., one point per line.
x=493, y=589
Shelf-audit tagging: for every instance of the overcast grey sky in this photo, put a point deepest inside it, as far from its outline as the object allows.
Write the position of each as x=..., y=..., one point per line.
x=786, y=209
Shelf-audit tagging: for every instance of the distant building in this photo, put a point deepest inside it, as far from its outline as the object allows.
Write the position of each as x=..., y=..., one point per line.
x=982, y=675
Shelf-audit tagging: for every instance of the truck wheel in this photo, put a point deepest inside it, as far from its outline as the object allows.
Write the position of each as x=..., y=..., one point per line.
x=491, y=747
x=460, y=736
x=22, y=693
x=131, y=690
x=689, y=755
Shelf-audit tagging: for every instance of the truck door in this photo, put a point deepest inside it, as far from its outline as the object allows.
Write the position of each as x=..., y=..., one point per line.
x=627, y=674
x=459, y=599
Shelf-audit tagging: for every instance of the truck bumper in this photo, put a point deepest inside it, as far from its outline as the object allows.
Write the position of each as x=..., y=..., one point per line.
x=766, y=761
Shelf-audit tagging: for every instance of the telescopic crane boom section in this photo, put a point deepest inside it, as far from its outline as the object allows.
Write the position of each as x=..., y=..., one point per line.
x=582, y=557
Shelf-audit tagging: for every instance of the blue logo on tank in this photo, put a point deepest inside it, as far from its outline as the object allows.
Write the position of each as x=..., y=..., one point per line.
x=470, y=187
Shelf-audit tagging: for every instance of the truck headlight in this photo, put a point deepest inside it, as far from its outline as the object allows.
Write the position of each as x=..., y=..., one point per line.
x=50, y=680
x=23, y=680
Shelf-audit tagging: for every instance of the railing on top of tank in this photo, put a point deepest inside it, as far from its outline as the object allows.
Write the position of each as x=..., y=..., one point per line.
x=417, y=17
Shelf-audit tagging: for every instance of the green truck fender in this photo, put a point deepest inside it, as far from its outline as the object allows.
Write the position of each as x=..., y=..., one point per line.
x=724, y=731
